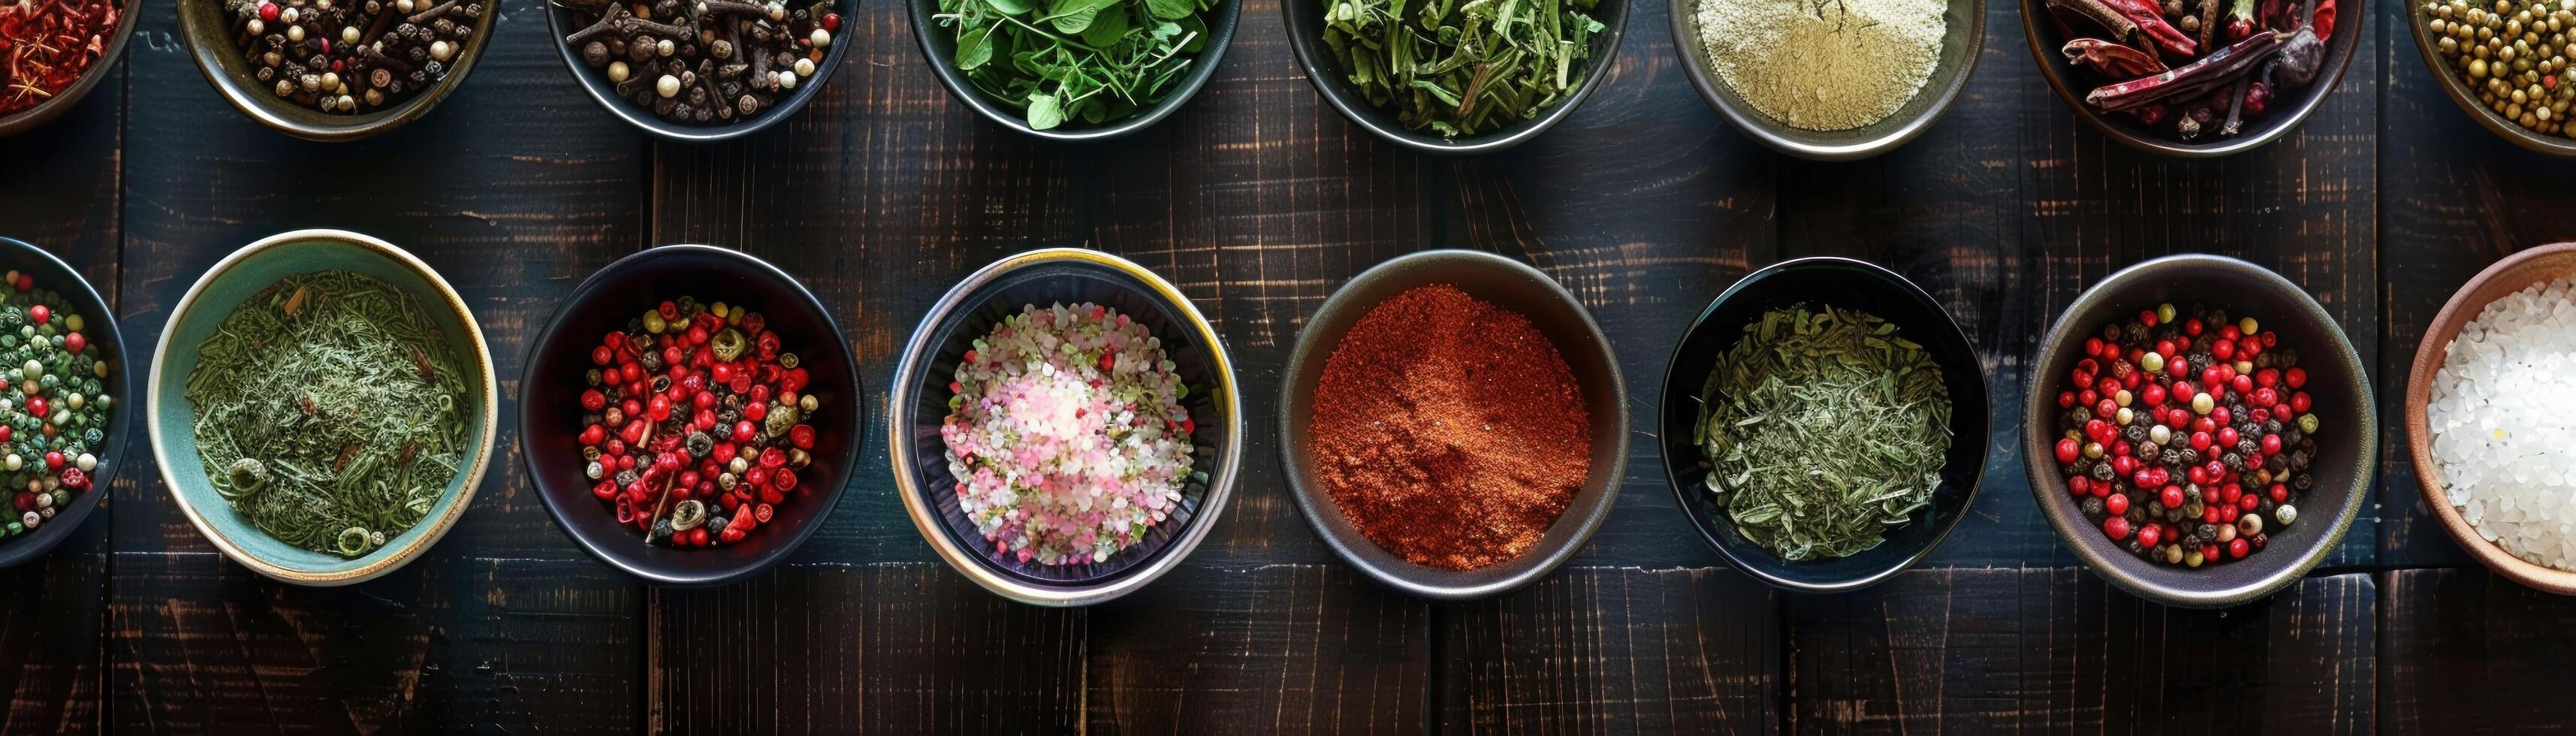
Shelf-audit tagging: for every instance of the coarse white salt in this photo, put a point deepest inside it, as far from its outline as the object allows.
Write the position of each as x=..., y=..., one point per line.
x=2503, y=417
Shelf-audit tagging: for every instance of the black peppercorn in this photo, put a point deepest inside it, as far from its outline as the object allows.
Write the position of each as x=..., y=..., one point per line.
x=2094, y=510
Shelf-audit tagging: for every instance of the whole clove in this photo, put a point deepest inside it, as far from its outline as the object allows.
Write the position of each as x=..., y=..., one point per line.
x=703, y=62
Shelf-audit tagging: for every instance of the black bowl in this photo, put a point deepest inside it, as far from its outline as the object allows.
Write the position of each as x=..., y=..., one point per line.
x=550, y=385
x=1846, y=284
x=100, y=327
x=559, y=23
x=919, y=406
x=2287, y=110
x=939, y=49
x=2347, y=451
x=1306, y=39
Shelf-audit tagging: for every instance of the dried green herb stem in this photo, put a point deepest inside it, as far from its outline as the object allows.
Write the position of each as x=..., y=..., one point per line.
x=1822, y=431
x=330, y=412
x=1462, y=67
x=1096, y=61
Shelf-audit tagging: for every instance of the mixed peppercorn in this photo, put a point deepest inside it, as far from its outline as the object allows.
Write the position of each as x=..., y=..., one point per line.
x=53, y=404
x=2188, y=441
x=352, y=56
x=45, y=46
x=694, y=423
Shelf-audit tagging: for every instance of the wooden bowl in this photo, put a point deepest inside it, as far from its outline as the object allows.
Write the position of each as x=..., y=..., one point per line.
x=130, y=15
x=2515, y=273
x=2460, y=93
x=210, y=41
x=1966, y=34
x=2287, y=110
x=1306, y=40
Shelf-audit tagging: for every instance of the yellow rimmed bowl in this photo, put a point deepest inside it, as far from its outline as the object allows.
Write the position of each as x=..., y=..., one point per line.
x=918, y=408
x=241, y=277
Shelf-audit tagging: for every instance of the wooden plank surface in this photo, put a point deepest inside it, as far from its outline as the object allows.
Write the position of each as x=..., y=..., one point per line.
x=2467, y=652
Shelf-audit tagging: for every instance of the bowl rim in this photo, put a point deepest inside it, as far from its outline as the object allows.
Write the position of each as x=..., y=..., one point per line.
x=1367, y=117
x=556, y=328
x=591, y=86
x=2046, y=488
x=2458, y=91
x=71, y=518
x=1752, y=123
x=2430, y=352
x=918, y=358
x=1684, y=493
x=213, y=64
x=391, y=558
x=34, y=117
x=924, y=28
x=1315, y=504
x=2330, y=77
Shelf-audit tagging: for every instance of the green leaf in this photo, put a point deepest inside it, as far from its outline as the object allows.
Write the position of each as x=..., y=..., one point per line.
x=1106, y=28
x=1172, y=9
x=974, y=48
x=1012, y=7
x=1072, y=16
x=1045, y=112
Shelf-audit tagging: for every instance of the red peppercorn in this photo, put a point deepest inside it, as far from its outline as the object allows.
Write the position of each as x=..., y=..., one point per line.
x=39, y=315
x=2067, y=449
x=2237, y=548
x=593, y=400
x=2249, y=503
x=75, y=343
x=2117, y=504
x=2227, y=436
x=53, y=460
x=2172, y=497
x=2269, y=338
x=602, y=355
x=761, y=512
x=2093, y=346
x=2279, y=493
x=2299, y=402
x=2154, y=395
x=2296, y=377
x=592, y=435
x=2079, y=486
x=2271, y=445
x=2223, y=349
x=2241, y=383
x=2147, y=317
x=802, y=436
x=744, y=432
x=2117, y=527
x=2149, y=535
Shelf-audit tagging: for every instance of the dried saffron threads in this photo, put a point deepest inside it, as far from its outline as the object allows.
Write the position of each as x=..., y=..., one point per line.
x=330, y=411
x=45, y=46
x=1067, y=436
x=1448, y=430
x=53, y=404
x=1823, y=430
x=694, y=423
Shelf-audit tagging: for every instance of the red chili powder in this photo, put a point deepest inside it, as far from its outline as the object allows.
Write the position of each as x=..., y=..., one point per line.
x=1449, y=431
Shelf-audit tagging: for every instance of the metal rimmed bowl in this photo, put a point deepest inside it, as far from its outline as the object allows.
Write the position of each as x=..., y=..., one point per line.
x=559, y=24
x=234, y=281
x=129, y=15
x=2516, y=272
x=1306, y=40
x=2347, y=449
x=1505, y=283
x=939, y=50
x=2072, y=84
x=99, y=327
x=210, y=41
x=550, y=415
x=1814, y=283
x=2458, y=90
x=1959, y=45
x=919, y=407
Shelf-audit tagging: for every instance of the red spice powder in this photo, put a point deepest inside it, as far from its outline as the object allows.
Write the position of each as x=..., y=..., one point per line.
x=1449, y=430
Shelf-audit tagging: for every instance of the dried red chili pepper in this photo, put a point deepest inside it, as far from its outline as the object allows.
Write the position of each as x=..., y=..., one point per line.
x=2151, y=23
x=46, y=45
x=2111, y=59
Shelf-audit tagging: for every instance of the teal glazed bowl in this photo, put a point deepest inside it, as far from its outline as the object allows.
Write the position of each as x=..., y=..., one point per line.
x=242, y=276
x=100, y=328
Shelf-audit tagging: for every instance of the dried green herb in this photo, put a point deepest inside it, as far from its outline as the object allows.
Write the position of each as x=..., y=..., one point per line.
x=1823, y=430
x=1462, y=67
x=330, y=411
x=1096, y=61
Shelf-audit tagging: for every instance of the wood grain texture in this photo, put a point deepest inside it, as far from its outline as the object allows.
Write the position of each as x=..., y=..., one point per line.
x=1615, y=650
x=1276, y=648
x=2027, y=650
x=2468, y=652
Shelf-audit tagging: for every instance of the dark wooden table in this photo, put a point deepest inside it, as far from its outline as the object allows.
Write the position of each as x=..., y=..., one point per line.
x=1258, y=200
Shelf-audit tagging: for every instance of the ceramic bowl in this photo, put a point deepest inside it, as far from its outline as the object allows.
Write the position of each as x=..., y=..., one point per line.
x=2047, y=37
x=560, y=24
x=129, y=15
x=550, y=414
x=1306, y=40
x=2514, y=273
x=1959, y=47
x=2347, y=448
x=99, y=327
x=1505, y=283
x=939, y=50
x=1814, y=283
x=968, y=312
x=209, y=33
x=231, y=283
x=2457, y=88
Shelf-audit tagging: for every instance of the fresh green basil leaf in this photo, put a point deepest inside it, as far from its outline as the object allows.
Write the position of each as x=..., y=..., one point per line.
x=1044, y=112
x=975, y=48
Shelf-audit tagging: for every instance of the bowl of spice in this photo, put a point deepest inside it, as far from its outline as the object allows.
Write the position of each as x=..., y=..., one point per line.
x=1837, y=79
x=2199, y=431
x=2487, y=417
x=62, y=400
x=1824, y=424
x=2192, y=77
x=2505, y=63
x=1081, y=70
x=700, y=70
x=54, y=52
x=322, y=407
x=691, y=415
x=1065, y=427
x=1453, y=424
x=1452, y=77
x=336, y=70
